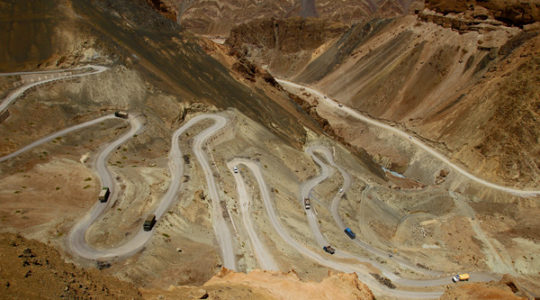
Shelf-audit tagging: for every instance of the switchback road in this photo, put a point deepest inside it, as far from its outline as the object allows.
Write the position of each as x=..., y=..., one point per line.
x=359, y=116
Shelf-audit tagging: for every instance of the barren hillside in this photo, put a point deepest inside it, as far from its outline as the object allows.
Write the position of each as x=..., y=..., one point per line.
x=329, y=157
x=218, y=17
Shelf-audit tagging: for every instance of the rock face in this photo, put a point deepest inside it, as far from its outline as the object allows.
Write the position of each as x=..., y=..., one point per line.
x=440, y=81
x=269, y=285
x=218, y=17
x=32, y=270
x=515, y=12
x=164, y=8
x=504, y=289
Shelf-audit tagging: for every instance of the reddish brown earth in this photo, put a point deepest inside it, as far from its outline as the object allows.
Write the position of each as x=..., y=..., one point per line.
x=269, y=285
x=33, y=270
x=515, y=12
x=218, y=17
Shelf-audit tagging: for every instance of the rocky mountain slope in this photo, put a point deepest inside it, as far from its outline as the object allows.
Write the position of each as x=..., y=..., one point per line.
x=434, y=74
x=268, y=285
x=512, y=12
x=464, y=84
x=218, y=17
x=33, y=270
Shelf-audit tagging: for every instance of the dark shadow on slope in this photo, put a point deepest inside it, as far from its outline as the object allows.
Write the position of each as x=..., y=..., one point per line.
x=341, y=50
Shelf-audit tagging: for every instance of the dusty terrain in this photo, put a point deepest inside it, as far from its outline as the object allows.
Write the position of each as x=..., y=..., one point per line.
x=32, y=270
x=420, y=221
x=217, y=18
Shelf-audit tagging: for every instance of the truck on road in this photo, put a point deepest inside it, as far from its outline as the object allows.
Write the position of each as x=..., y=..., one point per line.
x=307, y=204
x=121, y=114
x=329, y=249
x=104, y=194
x=461, y=277
x=149, y=222
x=350, y=233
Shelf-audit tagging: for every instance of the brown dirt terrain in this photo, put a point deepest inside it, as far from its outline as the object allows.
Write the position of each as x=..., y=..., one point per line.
x=32, y=270
x=513, y=12
x=269, y=285
x=168, y=77
x=217, y=18
x=503, y=289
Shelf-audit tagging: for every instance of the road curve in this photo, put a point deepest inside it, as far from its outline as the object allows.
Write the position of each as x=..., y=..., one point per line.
x=55, y=135
x=19, y=91
x=356, y=114
x=264, y=258
x=334, y=208
x=221, y=229
x=362, y=274
x=312, y=219
x=77, y=237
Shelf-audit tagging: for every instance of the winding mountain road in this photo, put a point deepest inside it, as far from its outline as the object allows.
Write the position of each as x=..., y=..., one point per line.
x=334, y=208
x=361, y=272
x=55, y=135
x=77, y=237
x=264, y=258
x=312, y=219
x=19, y=91
x=359, y=116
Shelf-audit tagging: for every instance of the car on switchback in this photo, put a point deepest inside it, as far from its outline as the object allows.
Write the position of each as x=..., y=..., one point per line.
x=235, y=169
x=329, y=249
x=307, y=204
x=350, y=233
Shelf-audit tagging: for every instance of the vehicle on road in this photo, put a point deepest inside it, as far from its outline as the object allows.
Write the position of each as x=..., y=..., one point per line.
x=104, y=194
x=329, y=249
x=121, y=114
x=149, y=222
x=350, y=233
x=307, y=204
x=341, y=190
x=4, y=115
x=340, y=105
x=461, y=277
x=235, y=169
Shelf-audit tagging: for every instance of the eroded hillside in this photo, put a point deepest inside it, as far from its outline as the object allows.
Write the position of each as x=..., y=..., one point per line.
x=133, y=146
x=219, y=17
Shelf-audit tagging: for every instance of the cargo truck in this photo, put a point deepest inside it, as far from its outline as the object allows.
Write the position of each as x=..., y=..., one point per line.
x=121, y=114
x=350, y=233
x=149, y=222
x=461, y=277
x=104, y=194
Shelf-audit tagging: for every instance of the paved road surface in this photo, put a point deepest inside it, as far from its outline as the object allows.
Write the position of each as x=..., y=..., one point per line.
x=356, y=114
x=265, y=259
x=321, y=240
x=55, y=135
x=322, y=258
x=77, y=240
x=18, y=92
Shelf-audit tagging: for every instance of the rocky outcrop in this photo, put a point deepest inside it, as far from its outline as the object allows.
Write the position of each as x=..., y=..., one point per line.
x=269, y=285
x=514, y=12
x=505, y=289
x=164, y=7
x=213, y=17
x=285, y=35
x=33, y=270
